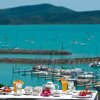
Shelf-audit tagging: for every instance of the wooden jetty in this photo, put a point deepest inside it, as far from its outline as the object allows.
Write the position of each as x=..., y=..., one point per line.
x=39, y=52
x=49, y=61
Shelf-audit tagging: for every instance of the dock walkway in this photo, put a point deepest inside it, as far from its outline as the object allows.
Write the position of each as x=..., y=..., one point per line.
x=49, y=61
x=39, y=52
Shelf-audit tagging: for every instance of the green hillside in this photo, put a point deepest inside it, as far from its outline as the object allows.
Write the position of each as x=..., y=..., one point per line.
x=47, y=14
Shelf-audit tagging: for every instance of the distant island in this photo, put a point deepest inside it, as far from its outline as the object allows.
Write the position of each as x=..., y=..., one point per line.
x=47, y=14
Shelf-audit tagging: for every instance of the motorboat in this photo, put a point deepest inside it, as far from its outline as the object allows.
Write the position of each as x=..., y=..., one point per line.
x=66, y=72
x=77, y=70
x=83, y=81
x=55, y=70
x=41, y=73
x=95, y=64
x=40, y=68
x=86, y=76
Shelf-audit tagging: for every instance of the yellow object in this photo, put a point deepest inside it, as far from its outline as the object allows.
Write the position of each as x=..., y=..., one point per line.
x=64, y=84
x=15, y=84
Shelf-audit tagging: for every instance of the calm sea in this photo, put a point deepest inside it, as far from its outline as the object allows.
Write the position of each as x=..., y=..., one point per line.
x=81, y=40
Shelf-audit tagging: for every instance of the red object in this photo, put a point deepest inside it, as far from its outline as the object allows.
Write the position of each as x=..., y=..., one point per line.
x=82, y=93
x=7, y=89
x=45, y=92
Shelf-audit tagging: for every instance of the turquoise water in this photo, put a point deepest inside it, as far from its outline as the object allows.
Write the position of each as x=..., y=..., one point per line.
x=81, y=40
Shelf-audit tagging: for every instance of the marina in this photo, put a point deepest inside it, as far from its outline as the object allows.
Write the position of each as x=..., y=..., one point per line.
x=80, y=77
x=63, y=51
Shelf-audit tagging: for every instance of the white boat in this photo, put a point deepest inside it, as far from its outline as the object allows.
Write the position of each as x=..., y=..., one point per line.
x=86, y=76
x=83, y=81
x=67, y=77
x=82, y=44
x=95, y=64
x=66, y=72
x=54, y=74
x=16, y=48
x=75, y=42
x=77, y=70
x=55, y=70
x=88, y=39
x=40, y=68
x=30, y=41
x=41, y=73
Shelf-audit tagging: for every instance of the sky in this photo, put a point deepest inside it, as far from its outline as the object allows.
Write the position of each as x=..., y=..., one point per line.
x=77, y=5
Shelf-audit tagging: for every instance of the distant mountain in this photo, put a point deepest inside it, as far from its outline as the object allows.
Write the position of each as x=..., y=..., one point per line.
x=47, y=14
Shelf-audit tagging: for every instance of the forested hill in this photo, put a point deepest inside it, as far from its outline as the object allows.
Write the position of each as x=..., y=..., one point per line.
x=47, y=14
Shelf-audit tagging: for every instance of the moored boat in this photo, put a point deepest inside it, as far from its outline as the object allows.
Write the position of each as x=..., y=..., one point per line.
x=95, y=64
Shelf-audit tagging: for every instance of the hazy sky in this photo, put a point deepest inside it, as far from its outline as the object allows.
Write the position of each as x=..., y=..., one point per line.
x=78, y=5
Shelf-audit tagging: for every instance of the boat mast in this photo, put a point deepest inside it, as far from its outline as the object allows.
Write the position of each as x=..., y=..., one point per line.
x=62, y=48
